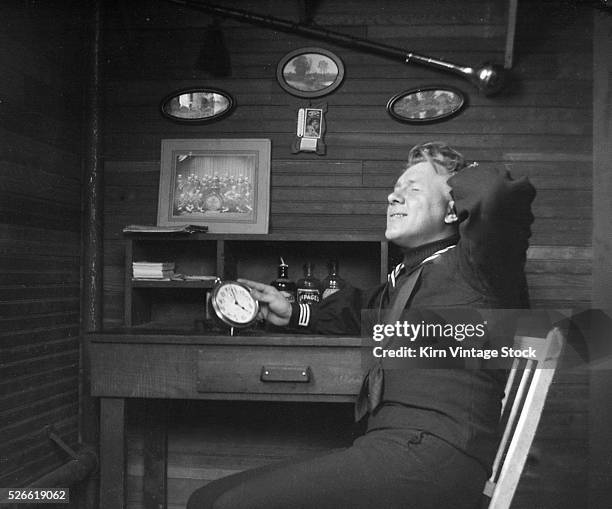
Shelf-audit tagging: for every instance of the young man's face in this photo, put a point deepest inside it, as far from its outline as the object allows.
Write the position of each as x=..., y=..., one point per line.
x=418, y=206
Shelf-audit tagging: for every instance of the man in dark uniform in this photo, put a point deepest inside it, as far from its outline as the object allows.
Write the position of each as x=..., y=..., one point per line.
x=431, y=434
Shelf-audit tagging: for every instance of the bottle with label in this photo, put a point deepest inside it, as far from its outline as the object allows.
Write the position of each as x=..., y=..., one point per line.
x=308, y=288
x=333, y=282
x=283, y=284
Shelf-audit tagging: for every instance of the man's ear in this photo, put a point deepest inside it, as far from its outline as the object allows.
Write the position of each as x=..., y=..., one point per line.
x=451, y=213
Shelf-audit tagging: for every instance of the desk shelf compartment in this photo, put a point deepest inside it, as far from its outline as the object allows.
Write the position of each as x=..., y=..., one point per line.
x=157, y=300
x=364, y=261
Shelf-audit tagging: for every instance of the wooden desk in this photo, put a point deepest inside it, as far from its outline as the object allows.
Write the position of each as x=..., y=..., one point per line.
x=182, y=366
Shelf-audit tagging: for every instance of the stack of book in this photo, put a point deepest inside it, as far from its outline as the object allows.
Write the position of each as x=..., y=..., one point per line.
x=152, y=270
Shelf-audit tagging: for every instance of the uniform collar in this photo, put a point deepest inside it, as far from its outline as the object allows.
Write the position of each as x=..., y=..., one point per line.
x=415, y=256
x=421, y=254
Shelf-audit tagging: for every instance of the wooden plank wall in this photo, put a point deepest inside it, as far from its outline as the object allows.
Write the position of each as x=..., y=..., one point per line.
x=40, y=221
x=541, y=128
x=600, y=486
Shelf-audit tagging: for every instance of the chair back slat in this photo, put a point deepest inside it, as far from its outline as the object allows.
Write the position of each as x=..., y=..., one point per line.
x=526, y=408
x=509, y=384
x=511, y=423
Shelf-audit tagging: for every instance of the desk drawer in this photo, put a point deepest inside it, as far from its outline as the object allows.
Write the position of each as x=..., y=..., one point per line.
x=279, y=370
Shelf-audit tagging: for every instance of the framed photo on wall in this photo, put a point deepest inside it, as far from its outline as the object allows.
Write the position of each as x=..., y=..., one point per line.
x=197, y=105
x=221, y=183
x=310, y=72
x=310, y=122
x=425, y=105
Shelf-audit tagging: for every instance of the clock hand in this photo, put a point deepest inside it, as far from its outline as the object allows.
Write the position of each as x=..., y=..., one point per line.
x=235, y=298
x=241, y=306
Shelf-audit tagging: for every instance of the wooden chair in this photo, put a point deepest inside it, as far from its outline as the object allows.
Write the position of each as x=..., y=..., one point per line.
x=522, y=415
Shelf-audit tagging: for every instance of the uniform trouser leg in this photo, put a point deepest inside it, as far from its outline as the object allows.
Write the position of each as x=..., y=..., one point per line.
x=388, y=469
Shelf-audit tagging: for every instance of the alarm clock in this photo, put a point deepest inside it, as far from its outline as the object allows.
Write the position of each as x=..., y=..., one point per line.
x=233, y=304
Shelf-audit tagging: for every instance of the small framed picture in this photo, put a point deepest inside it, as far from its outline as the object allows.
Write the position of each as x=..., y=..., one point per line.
x=310, y=72
x=197, y=105
x=426, y=104
x=311, y=122
x=221, y=183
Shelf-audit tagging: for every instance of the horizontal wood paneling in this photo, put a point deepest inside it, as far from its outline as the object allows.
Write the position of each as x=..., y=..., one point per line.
x=145, y=94
x=541, y=128
x=364, y=145
x=40, y=223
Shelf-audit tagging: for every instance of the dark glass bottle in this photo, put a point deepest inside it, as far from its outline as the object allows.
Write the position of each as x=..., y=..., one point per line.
x=309, y=287
x=283, y=284
x=333, y=282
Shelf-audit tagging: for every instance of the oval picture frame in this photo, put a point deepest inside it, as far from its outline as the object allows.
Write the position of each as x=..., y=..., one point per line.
x=197, y=105
x=325, y=76
x=428, y=104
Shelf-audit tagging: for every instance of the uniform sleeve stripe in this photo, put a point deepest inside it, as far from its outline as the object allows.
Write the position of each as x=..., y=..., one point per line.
x=304, y=315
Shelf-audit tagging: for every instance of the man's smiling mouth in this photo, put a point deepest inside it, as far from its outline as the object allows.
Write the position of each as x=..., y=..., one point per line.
x=397, y=214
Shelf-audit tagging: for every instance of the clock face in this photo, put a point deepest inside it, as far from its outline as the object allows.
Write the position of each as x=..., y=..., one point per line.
x=234, y=304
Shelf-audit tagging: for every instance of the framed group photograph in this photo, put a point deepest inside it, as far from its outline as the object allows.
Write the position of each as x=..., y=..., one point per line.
x=221, y=183
x=310, y=72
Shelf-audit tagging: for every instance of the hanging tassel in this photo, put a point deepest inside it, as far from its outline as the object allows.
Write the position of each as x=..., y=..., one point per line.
x=214, y=56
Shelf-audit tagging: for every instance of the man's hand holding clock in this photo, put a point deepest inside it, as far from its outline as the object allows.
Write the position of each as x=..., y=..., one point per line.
x=273, y=307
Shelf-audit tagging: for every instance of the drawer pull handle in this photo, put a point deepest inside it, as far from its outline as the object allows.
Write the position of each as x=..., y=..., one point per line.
x=285, y=374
